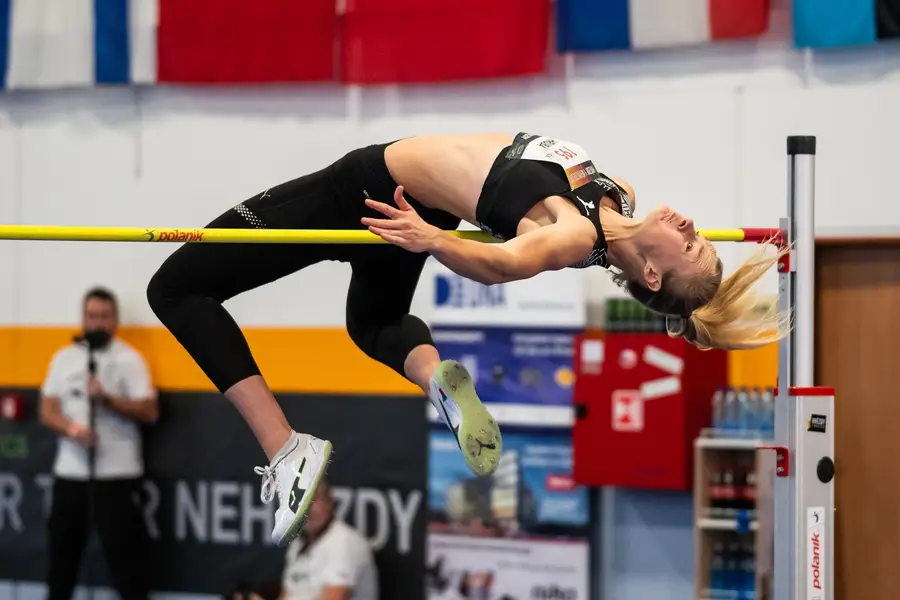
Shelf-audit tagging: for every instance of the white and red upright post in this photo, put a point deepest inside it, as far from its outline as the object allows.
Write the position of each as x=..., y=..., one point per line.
x=804, y=413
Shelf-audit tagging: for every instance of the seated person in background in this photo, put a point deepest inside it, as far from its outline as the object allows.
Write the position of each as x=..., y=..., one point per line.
x=330, y=560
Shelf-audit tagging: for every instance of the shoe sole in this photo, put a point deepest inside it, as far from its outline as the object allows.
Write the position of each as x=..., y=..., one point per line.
x=479, y=435
x=297, y=524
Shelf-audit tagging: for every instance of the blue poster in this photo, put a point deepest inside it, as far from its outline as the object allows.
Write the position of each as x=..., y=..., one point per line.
x=514, y=365
x=530, y=494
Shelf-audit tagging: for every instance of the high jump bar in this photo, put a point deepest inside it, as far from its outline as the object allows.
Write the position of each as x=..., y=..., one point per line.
x=284, y=236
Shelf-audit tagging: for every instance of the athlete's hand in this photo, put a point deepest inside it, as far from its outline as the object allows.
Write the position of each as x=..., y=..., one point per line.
x=403, y=227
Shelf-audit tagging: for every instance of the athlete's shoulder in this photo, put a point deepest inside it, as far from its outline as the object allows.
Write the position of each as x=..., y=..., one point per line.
x=627, y=188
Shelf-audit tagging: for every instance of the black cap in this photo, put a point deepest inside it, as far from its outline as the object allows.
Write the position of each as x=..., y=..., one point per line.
x=801, y=144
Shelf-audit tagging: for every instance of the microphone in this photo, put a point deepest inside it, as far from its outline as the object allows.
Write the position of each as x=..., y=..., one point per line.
x=92, y=345
x=96, y=339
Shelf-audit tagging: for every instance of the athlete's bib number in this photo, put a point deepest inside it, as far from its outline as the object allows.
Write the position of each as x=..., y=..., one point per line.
x=576, y=163
x=571, y=157
x=565, y=153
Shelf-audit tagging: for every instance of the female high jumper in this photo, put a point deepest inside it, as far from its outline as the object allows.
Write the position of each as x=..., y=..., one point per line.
x=542, y=196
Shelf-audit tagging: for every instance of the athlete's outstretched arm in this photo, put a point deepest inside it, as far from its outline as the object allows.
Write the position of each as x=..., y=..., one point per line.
x=547, y=248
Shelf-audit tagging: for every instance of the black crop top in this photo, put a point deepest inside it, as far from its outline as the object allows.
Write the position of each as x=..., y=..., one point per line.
x=534, y=168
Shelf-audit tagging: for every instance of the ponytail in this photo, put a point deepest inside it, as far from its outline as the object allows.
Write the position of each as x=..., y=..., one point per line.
x=736, y=318
x=710, y=311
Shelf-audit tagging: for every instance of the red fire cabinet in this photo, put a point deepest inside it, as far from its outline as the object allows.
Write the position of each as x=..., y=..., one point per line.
x=641, y=399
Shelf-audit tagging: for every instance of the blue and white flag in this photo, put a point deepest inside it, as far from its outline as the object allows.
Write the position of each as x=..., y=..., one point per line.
x=76, y=43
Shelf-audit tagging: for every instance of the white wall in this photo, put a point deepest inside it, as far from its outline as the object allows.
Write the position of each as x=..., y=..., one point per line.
x=702, y=130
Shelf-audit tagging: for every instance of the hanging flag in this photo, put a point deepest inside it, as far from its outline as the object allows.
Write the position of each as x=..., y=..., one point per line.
x=246, y=41
x=593, y=25
x=65, y=43
x=417, y=41
x=77, y=43
x=4, y=40
x=843, y=23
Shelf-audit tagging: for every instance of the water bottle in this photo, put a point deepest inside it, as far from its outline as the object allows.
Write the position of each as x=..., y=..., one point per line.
x=748, y=571
x=718, y=411
x=743, y=478
x=611, y=316
x=733, y=572
x=728, y=494
x=732, y=411
x=715, y=508
x=630, y=316
x=758, y=422
x=637, y=317
x=767, y=408
x=717, y=576
x=645, y=323
x=750, y=492
x=745, y=413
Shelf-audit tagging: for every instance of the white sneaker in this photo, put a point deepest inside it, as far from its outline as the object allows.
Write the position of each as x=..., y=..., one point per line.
x=476, y=431
x=293, y=474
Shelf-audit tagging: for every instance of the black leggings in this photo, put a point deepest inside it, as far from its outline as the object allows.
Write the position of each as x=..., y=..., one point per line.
x=188, y=290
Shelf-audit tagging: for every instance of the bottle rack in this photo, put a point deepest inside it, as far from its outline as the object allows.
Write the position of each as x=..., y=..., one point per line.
x=733, y=521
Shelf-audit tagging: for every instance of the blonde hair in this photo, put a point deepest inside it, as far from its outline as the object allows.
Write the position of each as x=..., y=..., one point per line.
x=710, y=311
x=737, y=317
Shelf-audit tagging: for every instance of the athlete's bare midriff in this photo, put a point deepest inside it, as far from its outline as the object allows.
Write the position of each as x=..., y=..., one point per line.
x=447, y=172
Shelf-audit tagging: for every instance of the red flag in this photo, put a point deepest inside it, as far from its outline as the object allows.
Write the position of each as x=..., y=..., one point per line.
x=418, y=41
x=246, y=41
x=729, y=19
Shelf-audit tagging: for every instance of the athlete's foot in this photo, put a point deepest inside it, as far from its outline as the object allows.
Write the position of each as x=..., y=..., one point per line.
x=477, y=433
x=294, y=474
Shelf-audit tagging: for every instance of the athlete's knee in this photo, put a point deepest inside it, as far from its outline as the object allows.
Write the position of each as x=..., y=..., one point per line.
x=165, y=292
x=388, y=341
x=159, y=293
x=365, y=331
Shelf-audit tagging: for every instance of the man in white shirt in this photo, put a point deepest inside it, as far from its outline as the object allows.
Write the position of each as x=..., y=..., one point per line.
x=96, y=392
x=329, y=560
